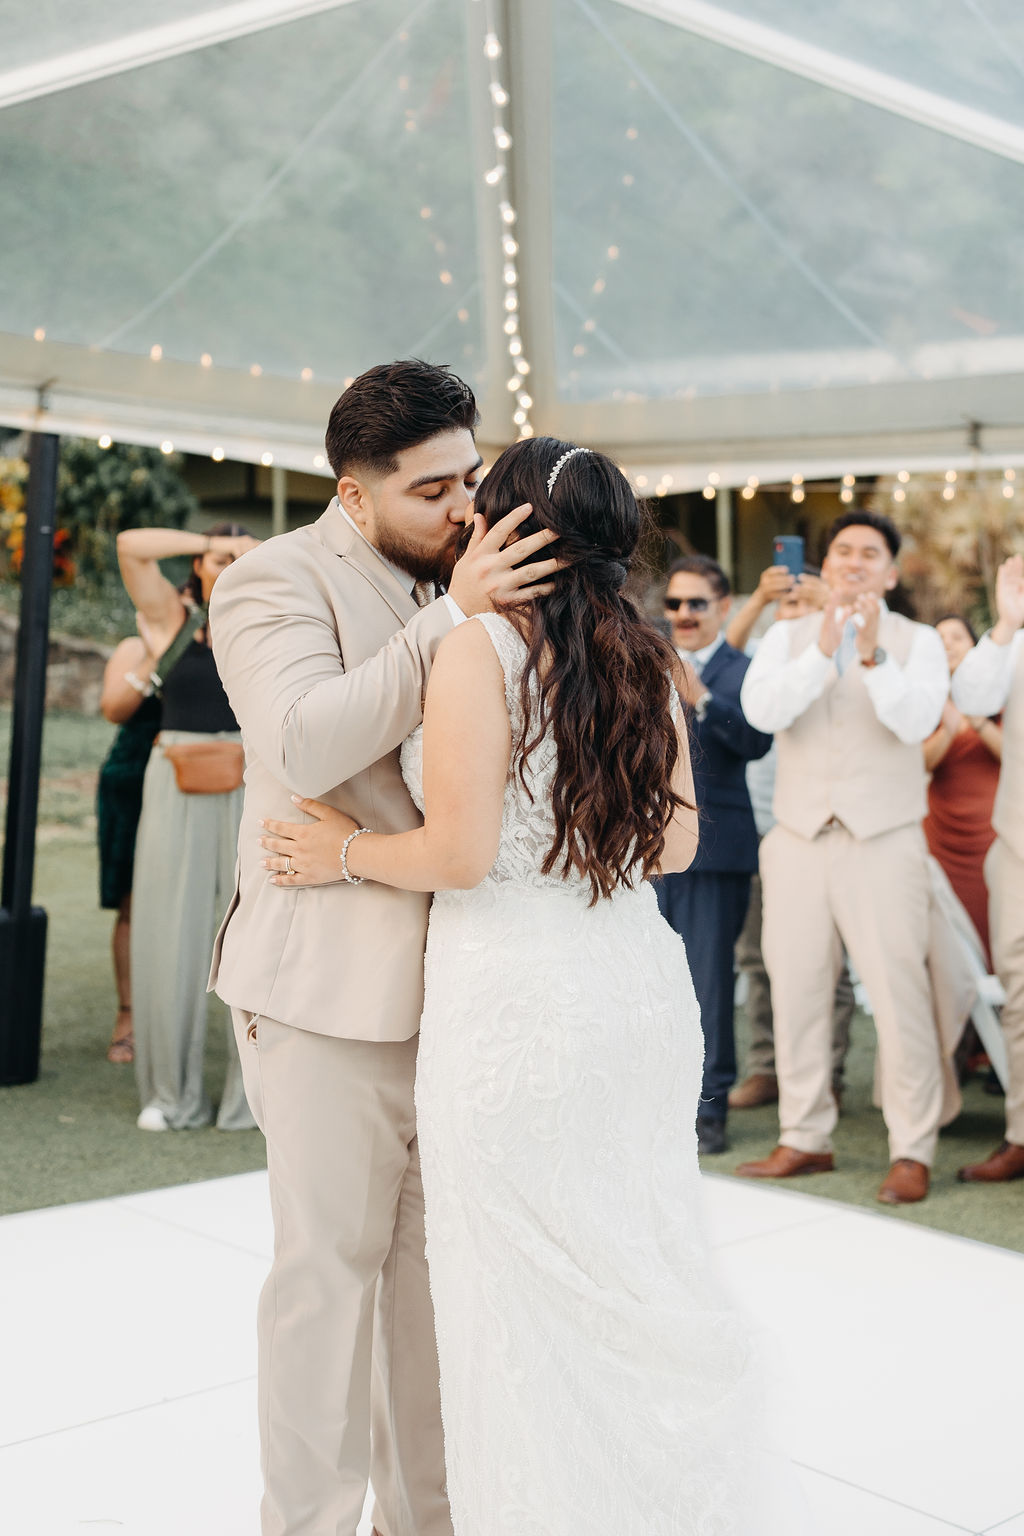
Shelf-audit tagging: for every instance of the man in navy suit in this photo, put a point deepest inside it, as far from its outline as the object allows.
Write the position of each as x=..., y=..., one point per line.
x=707, y=905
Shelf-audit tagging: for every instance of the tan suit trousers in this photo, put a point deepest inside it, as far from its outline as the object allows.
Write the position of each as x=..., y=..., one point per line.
x=348, y=1374
x=873, y=897
x=1004, y=875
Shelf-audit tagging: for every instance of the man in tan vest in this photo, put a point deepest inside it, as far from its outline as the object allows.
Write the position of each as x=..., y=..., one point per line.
x=994, y=681
x=324, y=639
x=850, y=693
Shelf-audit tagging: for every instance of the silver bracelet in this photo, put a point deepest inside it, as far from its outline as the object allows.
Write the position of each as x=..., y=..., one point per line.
x=146, y=689
x=352, y=879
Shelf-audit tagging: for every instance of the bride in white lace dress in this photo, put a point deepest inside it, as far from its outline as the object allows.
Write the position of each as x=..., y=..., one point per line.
x=594, y=1380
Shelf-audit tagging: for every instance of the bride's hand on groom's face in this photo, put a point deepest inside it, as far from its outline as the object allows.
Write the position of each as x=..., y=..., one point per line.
x=308, y=853
x=493, y=572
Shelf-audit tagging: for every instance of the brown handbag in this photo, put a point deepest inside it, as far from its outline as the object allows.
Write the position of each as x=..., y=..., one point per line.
x=206, y=767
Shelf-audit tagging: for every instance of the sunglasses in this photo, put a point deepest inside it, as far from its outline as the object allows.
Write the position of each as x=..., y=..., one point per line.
x=692, y=604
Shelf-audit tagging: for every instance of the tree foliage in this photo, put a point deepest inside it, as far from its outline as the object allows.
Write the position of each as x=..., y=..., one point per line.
x=953, y=547
x=100, y=491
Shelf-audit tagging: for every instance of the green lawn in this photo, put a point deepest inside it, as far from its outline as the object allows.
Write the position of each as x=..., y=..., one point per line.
x=72, y=1136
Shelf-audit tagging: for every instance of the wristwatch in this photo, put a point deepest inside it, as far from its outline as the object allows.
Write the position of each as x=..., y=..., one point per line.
x=876, y=658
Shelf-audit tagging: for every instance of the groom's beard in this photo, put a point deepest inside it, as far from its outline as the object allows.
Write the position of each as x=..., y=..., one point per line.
x=421, y=562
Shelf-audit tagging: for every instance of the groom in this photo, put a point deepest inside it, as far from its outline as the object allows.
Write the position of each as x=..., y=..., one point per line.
x=324, y=639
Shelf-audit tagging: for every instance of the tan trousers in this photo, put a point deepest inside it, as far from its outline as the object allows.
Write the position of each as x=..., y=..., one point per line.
x=1004, y=875
x=760, y=1055
x=348, y=1374
x=873, y=898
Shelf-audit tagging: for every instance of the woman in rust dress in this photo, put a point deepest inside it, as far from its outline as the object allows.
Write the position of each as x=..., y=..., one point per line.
x=963, y=757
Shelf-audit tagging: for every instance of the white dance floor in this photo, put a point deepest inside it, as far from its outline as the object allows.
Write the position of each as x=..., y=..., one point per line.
x=128, y=1359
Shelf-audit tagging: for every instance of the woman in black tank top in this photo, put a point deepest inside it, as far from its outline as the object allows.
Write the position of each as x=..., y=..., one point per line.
x=186, y=845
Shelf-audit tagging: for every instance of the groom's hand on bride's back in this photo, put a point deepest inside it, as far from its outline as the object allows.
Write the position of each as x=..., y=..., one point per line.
x=493, y=571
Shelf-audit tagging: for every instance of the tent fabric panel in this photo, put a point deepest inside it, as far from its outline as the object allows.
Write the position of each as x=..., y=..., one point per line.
x=722, y=227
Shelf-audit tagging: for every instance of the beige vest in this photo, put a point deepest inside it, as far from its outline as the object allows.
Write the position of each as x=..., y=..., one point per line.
x=1008, y=816
x=838, y=760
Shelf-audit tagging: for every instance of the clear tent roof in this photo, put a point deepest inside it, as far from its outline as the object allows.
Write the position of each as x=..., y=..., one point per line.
x=764, y=235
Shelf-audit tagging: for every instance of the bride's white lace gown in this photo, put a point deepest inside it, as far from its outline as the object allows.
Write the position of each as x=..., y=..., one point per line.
x=591, y=1372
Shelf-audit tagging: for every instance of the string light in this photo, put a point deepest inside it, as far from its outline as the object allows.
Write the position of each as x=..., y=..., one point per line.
x=106, y=441
x=498, y=176
x=255, y=370
x=266, y=459
x=948, y=492
x=903, y=476
x=319, y=461
x=1008, y=489
x=950, y=475
x=797, y=494
x=846, y=495
x=899, y=494
x=1009, y=474
x=167, y=446
x=39, y=333
x=156, y=352
x=708, y=493
x=217, y=455
x=849, y=481
x=306, y=375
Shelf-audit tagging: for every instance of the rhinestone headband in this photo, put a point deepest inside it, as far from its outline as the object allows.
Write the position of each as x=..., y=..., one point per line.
x=556, y=471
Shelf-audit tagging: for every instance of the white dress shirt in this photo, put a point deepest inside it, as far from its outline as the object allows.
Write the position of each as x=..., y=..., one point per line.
x=908, y=700
x=981, y=683
x=402, y=577
x=699, y=659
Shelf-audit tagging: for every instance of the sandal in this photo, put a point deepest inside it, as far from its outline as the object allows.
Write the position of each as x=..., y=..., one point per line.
x=121, y=1050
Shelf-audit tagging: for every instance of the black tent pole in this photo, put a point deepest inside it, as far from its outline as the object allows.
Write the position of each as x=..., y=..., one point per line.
x=22, y=926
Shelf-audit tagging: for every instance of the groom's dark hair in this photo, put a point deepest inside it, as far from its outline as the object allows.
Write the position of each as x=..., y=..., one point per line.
x=392, y=407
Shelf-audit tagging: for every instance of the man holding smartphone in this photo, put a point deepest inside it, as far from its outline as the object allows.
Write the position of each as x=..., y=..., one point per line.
x=850, y=693
x=706, y=905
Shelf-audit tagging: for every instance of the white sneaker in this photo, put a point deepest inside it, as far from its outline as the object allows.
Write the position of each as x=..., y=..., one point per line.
x=152, y=1118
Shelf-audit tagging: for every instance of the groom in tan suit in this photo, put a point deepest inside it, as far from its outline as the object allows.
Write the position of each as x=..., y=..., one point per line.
x=324, y=639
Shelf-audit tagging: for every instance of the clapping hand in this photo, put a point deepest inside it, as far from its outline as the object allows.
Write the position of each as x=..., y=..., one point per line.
x=832, y=625
x=1009, y=599
x=868, y=610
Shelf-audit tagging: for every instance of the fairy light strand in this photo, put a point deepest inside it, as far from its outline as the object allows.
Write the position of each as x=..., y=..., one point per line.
x=497, y=178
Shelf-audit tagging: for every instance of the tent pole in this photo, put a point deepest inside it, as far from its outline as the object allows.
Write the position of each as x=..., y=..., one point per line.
x=278, y=500
x=723, y=531
x=22, y=926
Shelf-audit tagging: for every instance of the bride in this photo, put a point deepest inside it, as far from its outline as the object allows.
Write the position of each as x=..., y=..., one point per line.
x=593, y=1379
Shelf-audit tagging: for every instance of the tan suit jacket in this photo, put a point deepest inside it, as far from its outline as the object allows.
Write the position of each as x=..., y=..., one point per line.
x=325, y=659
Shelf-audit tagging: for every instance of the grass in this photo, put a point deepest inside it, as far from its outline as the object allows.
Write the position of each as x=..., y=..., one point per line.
x=71, y=1135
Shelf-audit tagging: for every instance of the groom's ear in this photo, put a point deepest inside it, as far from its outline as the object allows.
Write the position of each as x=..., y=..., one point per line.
x=354, y=497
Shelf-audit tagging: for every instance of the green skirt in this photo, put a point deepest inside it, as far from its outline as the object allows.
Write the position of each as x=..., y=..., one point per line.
x=119, y=801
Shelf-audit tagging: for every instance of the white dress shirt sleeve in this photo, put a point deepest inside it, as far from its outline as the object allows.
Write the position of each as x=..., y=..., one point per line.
x=778, y=687
x=908, y=700
x=981, y=683
x=457, y=615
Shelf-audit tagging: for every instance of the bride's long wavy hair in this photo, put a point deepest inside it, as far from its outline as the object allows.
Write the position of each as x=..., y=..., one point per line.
x=604, y=672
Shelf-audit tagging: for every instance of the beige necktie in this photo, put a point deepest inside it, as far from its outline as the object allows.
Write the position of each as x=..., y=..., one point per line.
x=423, y=593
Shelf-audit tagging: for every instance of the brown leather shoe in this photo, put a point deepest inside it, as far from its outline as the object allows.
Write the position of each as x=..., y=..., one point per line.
x=906, y=1182
x=759, y=1088
x=1005, y=1163
x=785, y=1163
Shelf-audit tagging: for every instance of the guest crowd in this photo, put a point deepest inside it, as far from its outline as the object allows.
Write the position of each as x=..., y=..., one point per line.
x=856, y=772
x=826, y=847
